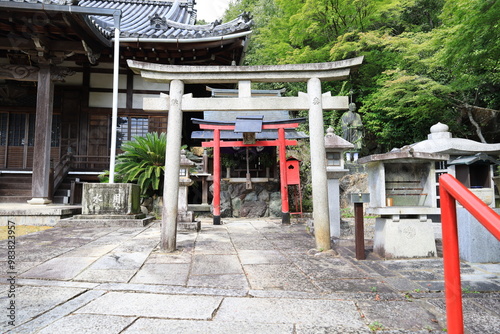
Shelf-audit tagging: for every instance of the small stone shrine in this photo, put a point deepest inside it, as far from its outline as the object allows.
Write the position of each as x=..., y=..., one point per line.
x=404, y=187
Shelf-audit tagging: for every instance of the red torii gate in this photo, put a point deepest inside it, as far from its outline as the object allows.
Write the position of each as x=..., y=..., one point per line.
x=281, y=143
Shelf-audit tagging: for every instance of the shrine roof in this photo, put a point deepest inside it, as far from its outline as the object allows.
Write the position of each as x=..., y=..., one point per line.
x=161, y=20
x=265, y=122
x=264, y=135
x=150, y=30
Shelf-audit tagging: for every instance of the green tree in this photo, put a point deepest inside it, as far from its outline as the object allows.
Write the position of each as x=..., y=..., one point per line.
x=425, y=60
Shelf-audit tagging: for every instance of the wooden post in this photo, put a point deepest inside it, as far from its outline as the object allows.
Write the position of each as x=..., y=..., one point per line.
x=172, y=167
x=43, y=132
x=359, y=231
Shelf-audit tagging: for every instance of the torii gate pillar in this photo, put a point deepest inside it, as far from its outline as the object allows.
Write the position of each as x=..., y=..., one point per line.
x=172, y=168
x=318, y=166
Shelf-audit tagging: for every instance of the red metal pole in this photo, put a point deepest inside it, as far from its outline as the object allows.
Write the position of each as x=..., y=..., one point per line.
x=285, y=211
x=451, y=259
x=216, y=202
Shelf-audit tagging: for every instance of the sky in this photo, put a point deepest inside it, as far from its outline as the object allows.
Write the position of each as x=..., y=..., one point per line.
x=211, y=10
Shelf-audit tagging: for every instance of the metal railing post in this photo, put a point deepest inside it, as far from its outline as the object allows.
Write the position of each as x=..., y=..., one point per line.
x=451, y=260
x=450, y=189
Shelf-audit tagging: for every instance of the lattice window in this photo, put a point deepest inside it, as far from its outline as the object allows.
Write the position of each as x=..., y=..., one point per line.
x=129, y=127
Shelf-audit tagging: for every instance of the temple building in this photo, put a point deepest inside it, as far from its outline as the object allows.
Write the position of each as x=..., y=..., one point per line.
x=63, y=72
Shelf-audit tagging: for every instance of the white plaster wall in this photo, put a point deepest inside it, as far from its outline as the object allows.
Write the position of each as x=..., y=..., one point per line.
x=138, y=100
x=141, y=84
x=105, y=100
x=105, y=80
x=74, y=80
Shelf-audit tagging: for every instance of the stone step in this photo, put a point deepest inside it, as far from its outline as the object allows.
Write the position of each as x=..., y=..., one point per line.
x=102, y=222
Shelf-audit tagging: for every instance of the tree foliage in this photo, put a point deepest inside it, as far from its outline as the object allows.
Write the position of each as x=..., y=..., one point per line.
x=426, y=61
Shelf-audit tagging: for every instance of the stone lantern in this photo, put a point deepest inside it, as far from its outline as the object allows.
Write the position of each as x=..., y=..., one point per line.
x=185, y=218
x=335, y=147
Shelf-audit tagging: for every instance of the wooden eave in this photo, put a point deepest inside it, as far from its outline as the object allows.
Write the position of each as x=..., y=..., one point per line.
x=49, y=36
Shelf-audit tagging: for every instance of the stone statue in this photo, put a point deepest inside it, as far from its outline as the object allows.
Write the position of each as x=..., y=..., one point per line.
x=352, y=129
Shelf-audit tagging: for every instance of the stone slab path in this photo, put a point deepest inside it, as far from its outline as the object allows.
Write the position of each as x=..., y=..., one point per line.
x=245, y=276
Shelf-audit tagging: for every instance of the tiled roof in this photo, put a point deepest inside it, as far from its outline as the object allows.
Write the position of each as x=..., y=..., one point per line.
x=160, y=20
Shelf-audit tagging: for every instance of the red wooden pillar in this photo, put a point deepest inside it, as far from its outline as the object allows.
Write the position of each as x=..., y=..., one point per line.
x=216, y=202
x=285, y=211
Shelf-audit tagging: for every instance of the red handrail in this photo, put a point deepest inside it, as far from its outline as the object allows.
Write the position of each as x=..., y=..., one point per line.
x=450, y=189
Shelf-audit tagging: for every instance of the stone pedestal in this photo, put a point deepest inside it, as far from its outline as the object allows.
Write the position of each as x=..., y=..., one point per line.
x=476, y=244
x=404, y=238
x=109, y=204
x=185, y=218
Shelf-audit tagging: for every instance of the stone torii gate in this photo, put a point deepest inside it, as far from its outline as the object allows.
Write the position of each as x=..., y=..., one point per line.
x=314, y=101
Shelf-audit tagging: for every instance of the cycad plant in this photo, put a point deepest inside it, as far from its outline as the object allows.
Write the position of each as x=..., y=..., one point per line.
x=143, y=162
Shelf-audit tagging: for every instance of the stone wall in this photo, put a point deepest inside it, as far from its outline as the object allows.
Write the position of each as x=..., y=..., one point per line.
x=263, y=200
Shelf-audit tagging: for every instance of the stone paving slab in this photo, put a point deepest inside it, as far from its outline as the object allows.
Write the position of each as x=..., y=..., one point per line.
x=278, y=276
x=216, y=265
x=214, y=247
x=106, y=275
x=172, y=290
x=120, y=261
x=60, y=268
x=32, y=301
x=163, y=273
x=264, y=256
x=399, y=315
x=91, y=250
x=161, y=326
x=253, y=275
x=251, y=242
x=176, y=257
x=229, y=281
x=351, y=285
x=89, y=324
x=477, y=319
x=153, y=305
x=56, y=313
x=289, y=311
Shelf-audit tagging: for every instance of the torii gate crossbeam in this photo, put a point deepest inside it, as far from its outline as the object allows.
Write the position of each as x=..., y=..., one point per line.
x=314, y=101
